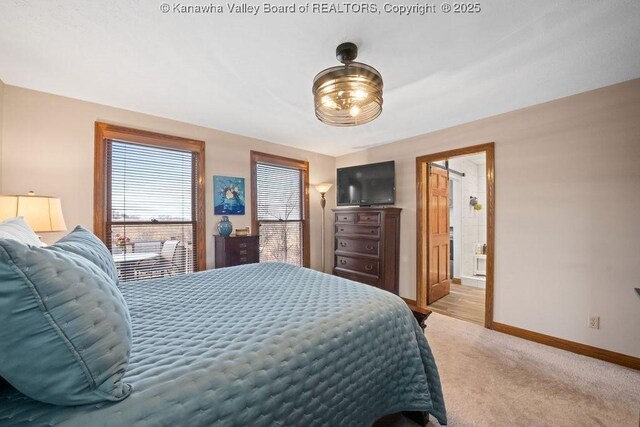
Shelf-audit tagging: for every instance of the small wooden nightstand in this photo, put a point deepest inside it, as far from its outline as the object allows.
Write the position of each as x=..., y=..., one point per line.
x=236, y=250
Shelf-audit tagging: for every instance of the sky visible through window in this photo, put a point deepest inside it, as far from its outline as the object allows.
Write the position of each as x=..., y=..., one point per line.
x=150, y=183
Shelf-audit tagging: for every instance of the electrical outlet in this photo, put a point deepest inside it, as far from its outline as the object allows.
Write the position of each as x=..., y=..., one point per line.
x=594, y=322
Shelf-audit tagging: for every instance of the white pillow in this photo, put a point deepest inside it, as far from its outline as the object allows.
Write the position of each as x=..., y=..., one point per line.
x=18, y=229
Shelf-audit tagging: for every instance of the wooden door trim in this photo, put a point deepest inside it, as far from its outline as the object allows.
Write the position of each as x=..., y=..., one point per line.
x=422, y=221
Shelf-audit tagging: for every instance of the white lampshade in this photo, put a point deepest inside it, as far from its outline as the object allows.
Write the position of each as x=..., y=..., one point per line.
x=42, y=213
x=324, y=187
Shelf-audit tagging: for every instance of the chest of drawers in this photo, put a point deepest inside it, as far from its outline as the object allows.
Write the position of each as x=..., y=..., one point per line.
x=367, y=245
x=236, y=250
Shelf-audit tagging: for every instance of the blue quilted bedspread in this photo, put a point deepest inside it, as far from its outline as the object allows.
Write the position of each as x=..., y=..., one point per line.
x=260, y=345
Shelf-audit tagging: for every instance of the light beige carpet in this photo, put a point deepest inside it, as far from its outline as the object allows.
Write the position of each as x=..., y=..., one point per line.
x=493, y=379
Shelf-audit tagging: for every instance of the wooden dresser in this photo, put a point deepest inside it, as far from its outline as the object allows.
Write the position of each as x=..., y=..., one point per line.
x=236, y=250
x=367, y=245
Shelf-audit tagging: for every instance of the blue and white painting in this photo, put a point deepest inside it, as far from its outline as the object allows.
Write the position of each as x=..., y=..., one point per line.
x=228, y=195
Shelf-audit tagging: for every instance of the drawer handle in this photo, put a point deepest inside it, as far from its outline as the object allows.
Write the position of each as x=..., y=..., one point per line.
x=243, y=259
x=368, y=267
x=243, y=252
x=343, y=262
x=373, y=231
x=341, y=230
x=369, y=247
x=243, y=245
x=344, y=218
x=343, y=244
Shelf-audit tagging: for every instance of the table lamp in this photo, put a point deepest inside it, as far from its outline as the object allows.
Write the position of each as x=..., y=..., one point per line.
x=42, y=213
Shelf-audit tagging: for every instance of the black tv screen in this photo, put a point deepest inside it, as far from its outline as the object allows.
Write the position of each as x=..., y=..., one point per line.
x=365, y=185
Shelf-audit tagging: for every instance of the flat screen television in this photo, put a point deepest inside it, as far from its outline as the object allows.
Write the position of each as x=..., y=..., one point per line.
x=366, y=185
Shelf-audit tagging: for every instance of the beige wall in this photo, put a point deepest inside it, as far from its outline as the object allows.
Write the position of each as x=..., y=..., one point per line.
x=567, y=181
x=567, y=209
x=48, y=148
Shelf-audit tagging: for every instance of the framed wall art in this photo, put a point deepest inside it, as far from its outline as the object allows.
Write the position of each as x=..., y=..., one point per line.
x=228, y=195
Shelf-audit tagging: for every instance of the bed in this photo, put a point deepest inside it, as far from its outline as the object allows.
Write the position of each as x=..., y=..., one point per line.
x=262, y=345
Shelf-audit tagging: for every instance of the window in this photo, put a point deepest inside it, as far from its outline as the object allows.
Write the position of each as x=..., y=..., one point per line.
x=148, y=198
x=280, y=208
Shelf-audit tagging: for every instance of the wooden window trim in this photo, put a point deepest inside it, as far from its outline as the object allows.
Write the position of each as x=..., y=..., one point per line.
x=104, y=132
x=301, y=165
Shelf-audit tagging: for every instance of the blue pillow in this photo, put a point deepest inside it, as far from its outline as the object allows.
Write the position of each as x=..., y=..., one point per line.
x=84, y=243
x=65, y=330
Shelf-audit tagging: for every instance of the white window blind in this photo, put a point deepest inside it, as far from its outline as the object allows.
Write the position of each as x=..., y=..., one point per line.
x=280, y=212
x=151, y=212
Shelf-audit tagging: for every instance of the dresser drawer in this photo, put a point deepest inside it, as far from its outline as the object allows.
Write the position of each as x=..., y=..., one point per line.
x=364, y=251
x=357, y=230
x=241, y=243
x=242, y=258
x=345, y=218
x=358, y=265
x=367, y=247
x=368, y=218
x=240, y=250
x=243, y=255
x=358, y=277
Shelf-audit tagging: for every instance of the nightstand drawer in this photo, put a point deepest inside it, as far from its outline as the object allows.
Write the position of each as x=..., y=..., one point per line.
x=365, y=266
x=241, y=243
x=238, y=250
x=244, y=259
x=367, y=247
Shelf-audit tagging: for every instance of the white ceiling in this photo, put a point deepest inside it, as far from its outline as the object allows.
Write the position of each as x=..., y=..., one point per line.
x=252, y=75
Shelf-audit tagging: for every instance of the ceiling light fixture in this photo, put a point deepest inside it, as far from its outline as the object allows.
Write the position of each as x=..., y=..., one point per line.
x=348, y=95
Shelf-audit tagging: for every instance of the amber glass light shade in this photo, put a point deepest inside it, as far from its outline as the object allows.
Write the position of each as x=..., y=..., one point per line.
x=348, y=95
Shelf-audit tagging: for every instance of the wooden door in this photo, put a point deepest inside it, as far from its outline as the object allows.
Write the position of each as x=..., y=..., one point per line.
x=438, y=238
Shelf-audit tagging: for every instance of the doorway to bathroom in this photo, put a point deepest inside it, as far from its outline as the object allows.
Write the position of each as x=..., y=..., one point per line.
x=455, y=218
